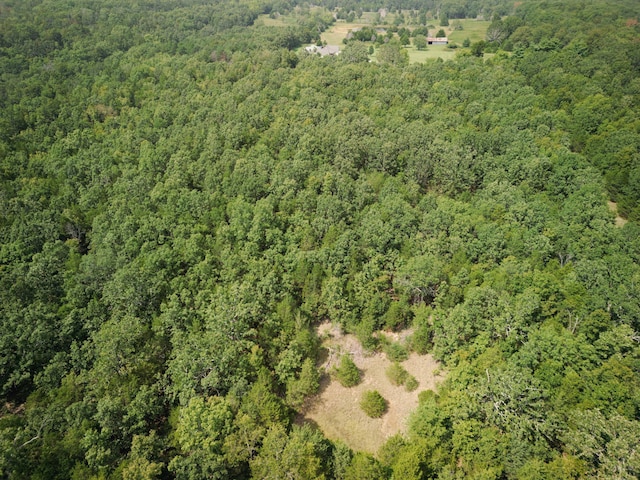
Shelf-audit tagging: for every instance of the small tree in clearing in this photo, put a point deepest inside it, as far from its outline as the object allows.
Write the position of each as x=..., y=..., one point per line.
x=373, y=404
x=347, y=372
x=420, y=42
x=411, y=383
x=397, y=374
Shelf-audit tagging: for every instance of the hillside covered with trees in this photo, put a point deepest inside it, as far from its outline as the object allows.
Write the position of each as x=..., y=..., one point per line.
x=185, y=194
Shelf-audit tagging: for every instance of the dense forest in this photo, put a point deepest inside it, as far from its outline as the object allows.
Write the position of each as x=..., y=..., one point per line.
x=185, y=194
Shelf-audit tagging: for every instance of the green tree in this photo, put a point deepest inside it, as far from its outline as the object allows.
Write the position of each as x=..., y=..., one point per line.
x=347, y=372
x=199, y=434
x=392, y=53
x=396, y=374
x=355, y=52
x=411, y=383
x=607, y=444
x=299, y=455
x=306, y=384
x=477, y=48
x=373, y=404
x=420, y=42
x=365, y=467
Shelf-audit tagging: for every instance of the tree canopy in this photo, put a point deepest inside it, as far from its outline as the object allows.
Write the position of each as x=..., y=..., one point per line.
x=185, y=195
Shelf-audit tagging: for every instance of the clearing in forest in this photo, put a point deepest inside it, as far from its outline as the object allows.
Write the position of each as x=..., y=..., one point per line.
x=339, y=31
x=336, y=409
x=474, y=30
x=620, y=222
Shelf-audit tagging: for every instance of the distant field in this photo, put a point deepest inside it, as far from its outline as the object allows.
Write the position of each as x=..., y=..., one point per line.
x=280, y=21
x=433, y=51
x=338, y=31
x=474, y=30
x=368, y=17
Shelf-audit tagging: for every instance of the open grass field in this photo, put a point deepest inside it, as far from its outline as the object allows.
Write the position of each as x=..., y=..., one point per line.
x=336, y=409
x=433, y=51
x=280, y=21
x=420, y=56
x=339, y=30
x=474, y=30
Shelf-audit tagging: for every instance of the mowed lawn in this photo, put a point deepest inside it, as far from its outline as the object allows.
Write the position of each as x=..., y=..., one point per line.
x=432, y=51
x=474, y=30
x=420, y=56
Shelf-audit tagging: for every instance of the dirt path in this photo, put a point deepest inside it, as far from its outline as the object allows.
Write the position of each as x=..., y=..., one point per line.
x=336, y=409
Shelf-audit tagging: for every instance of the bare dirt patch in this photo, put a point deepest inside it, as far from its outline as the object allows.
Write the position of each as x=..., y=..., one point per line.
x=336, y=409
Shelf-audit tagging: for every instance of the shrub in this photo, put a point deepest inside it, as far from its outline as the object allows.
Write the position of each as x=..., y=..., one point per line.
x=420, y=42
x=411, y=383
x=426, y=396
x=422, y=338
x=347, y=372
x=397, y=374
x=373, y=404
x=306, y=384
x=399, y=314
x=396, y=352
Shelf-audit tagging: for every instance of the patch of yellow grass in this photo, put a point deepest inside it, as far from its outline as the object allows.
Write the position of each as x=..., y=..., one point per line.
x=339, y=31
x=620, y=222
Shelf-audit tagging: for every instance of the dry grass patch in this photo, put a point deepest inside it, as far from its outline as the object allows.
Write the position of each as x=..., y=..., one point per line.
x=336, y=409
x=620, y=222
x=339, y=31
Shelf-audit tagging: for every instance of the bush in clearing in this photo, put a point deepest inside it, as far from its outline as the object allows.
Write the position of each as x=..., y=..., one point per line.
x=347, y=372
x=373, y=404
x=396, y=352
x=411, y=383
x=397, y=374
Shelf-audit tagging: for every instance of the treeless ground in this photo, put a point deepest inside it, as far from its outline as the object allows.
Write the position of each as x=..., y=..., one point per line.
x=338, y=31
x=620, y=222
x=336, y=409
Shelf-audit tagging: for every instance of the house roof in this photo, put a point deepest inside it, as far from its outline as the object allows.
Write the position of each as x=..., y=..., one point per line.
x=324, y=51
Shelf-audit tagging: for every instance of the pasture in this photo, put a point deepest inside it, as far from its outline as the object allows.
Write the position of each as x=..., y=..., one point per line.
x=339, y=31
x=474, y=30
